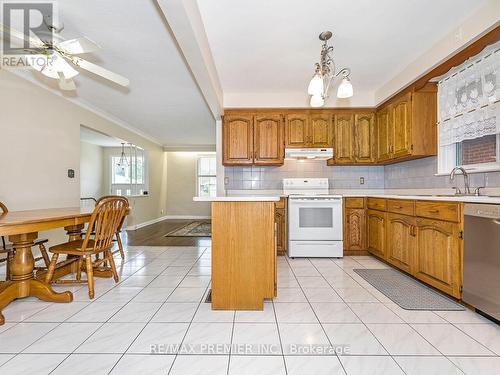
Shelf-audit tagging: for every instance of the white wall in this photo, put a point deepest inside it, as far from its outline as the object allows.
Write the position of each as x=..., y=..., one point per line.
x=181, y=185
x=40, y=140
x=91, y=170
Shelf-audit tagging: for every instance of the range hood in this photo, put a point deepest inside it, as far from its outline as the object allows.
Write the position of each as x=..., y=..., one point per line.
x=309, y=153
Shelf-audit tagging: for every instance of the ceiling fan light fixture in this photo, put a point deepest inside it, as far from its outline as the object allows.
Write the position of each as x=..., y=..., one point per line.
x=345, y=89
x=317, y=101
x=316, y=85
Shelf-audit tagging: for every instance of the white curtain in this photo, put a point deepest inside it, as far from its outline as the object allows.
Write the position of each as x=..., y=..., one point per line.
x=468, y=98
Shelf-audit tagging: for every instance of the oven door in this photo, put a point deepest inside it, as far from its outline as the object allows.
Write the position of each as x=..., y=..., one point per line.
x=315, y=219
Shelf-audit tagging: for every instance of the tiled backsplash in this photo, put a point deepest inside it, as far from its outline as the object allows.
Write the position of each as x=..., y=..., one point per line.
x=269, y=178
x=414, y=174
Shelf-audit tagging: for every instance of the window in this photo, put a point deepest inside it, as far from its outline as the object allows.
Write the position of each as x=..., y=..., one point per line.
x=469, y=114
x=206, y=177
x=129, y=178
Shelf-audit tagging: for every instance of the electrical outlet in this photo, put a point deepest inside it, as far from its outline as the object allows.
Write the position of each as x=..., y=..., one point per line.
x=361, y=180
x=226, y=180
x=161, y=212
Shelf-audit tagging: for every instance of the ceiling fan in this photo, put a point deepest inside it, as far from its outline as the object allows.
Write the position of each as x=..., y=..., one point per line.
x=56, y=58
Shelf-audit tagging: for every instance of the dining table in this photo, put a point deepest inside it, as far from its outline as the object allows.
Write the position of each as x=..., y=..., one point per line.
x=21, y=228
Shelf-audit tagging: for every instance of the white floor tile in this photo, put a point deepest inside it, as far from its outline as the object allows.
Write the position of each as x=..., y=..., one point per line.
x=6, y=326
x=136, y=312
x=367, y=365
x=97, y=312
x=290, y=295
x=303, y=339
x=247, y=365
x=374, y=313
x=167, y=281
x=415, y=316
x=401, y=339
x=209, y=338
x=186, y=295
x=325, y=365
x=450, y=341
x=58, y=312
x=133, y=364
x=64, y=338
x=32, y=364
x=153, y=295
x=20, y=310
x=119, y=294
x=195, y=282
x=486, y=334
x=294, y=313
x=428, y=366
x=312, y=282
x=205, y=314
x=111, y=338
x=137, y=281
x=477, y=365
x=5, y=357
x=356, y=295
x=306, y=271
x=200, y=365
x=353, y=339
x=321, y=295
x=19, y=337
x=334, y=313
x=161, y=338
x=466, y=316
x=176, y=312
x=264, y=316
x=84, y=364
x=256, y=339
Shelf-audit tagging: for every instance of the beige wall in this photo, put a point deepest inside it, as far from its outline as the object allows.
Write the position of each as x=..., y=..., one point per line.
x=181, y=185
x=91, y=170
x=40, y=134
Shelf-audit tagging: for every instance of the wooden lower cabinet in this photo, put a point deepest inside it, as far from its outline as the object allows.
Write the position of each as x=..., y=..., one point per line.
x=376, y=233
x=438, y=259
x=400, y=244
x=280, y=218
x=354, y=230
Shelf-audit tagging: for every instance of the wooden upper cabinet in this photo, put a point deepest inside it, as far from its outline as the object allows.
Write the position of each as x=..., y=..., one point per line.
x=400, y=248
x=384, y=134
x=344, y=139
x=437, y=258
x=296, y=130
x=268, y=140
x=320, y=130
x=364, y=138
x=237, y=133
x=402, y=127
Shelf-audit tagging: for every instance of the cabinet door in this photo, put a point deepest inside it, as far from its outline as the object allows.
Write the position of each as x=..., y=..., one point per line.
x=355, y=229
x=376, y=222
x=268, y=140
x=296, y=130
x=400, y=243
x=237, y=140
x=402, y=127
x=384, y=133
x=280, y=219
x=437, y=255
x=344, y=139
x=364, y=138
x=320, y=131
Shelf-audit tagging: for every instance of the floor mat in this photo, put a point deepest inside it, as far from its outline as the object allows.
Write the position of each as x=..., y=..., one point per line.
x=193, y=229
x=406, y=292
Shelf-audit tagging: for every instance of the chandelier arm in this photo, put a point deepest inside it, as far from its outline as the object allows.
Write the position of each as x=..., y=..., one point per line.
x=345, y=71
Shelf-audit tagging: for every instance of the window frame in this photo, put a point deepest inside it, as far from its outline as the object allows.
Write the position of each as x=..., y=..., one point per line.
x=211, y=155
x=134, y=188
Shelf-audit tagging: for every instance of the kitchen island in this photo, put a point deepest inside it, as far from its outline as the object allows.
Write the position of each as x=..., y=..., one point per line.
x=243, y=251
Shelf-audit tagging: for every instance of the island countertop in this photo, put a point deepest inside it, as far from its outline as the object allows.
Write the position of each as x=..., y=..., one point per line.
x=246, y=198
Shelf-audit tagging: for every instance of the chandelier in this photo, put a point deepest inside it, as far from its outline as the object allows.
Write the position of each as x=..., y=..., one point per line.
x=324, y=74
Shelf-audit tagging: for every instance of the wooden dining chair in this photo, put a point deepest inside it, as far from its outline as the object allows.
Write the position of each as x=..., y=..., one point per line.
x=8, y=250
x=105, y=219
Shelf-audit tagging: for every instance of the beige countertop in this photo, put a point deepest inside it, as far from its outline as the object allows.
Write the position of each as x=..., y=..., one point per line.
x=242, y=198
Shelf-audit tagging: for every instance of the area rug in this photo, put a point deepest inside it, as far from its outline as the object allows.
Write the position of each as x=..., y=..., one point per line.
x=193, y=229
x=406, y=292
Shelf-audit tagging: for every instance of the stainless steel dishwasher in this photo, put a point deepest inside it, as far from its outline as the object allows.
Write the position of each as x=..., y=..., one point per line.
x=481, y=287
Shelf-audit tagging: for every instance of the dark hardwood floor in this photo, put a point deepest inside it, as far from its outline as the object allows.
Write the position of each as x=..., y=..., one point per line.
x=154, y=235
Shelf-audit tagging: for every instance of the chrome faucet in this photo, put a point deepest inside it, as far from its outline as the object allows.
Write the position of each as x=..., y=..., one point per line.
x=466, y=179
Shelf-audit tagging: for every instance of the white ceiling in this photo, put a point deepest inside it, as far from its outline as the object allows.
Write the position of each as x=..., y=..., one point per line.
x=163, y=100
x=264, y=47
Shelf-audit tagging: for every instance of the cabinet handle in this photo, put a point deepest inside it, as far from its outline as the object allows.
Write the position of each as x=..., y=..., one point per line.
x=434, y=211
x=398, y=207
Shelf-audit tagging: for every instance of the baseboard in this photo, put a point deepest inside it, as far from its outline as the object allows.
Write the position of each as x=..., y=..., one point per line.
x=166, y=217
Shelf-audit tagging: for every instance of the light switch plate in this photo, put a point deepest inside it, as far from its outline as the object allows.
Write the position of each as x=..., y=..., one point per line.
x=361, y=180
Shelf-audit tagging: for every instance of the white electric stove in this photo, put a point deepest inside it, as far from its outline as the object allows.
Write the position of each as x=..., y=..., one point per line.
x=314, y=218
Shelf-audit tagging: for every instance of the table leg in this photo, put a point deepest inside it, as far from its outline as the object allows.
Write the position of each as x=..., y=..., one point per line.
x=22, y=283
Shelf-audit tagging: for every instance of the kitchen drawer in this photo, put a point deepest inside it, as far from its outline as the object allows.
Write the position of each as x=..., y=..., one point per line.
x=448, y=211
x=281, y=203
x=358, y=202
x=376, y=204
x=401, y=206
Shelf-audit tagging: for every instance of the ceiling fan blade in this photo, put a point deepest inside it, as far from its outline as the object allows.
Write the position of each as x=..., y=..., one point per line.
x=78, y=46
x=100, y=71
x=66, y=84
x=34, y=41
x=56, y=64
x=36, y=61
